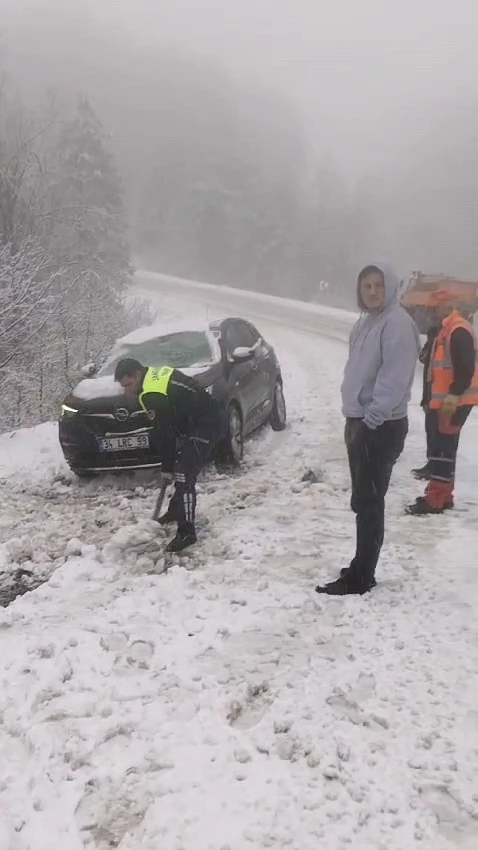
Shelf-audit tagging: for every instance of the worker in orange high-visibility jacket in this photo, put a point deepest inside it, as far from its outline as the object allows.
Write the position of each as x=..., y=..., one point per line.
x=450, y=395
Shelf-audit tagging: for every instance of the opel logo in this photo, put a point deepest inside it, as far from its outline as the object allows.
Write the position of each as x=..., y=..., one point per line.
x=122, y=414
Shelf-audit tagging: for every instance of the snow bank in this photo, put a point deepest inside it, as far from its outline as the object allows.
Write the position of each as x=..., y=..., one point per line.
x=31, y=454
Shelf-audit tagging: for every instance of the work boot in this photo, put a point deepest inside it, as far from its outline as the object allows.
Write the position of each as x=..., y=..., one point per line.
x=438, y=497
x=421, y=507
x=184, y=537
x=347, y=585
x=422, y=474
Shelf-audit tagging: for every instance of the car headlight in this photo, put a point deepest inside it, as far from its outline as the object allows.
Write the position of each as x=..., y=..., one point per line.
x=68, y=412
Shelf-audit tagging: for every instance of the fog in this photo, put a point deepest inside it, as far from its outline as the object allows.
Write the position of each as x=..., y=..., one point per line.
x=277, y=143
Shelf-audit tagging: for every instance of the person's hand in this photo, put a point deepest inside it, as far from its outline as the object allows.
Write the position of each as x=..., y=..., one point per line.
x=449, y=405
x=423, y=354
x=364, y=435
x=366, y=430
x=166, y=479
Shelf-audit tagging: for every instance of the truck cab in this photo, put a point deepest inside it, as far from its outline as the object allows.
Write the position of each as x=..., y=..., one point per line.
x=416, y=296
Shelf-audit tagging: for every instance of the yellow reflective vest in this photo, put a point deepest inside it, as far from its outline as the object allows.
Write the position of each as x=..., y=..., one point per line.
x=156, y=380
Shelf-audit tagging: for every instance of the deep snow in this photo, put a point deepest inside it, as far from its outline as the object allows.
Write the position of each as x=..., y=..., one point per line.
x=223, y=704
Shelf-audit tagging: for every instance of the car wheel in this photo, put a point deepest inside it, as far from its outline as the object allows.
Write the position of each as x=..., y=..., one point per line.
x=278, y=418
x=231, y=450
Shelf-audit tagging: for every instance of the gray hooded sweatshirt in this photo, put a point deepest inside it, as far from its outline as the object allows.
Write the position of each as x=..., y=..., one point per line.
x=383, y=351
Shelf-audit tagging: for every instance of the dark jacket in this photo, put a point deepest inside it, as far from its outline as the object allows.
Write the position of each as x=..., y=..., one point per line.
x=424, y=358
x=177, y=414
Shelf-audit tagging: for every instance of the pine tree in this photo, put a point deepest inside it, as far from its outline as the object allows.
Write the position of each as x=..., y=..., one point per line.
x=91, y=196
x=92, y=238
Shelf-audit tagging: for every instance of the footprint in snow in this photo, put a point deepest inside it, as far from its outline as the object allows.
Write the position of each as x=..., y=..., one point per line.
x=249, y=712
x=453, y=821
x=109, y=810
x=347, y=709
x=364, y=689
x=140, y=653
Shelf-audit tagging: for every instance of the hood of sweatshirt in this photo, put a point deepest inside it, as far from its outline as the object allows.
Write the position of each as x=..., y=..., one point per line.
x=391, y=286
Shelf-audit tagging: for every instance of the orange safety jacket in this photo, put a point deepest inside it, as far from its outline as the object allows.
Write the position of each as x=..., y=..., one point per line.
x=440, y=370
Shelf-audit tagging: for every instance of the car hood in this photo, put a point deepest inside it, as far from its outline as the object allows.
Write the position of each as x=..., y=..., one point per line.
x=94, y=393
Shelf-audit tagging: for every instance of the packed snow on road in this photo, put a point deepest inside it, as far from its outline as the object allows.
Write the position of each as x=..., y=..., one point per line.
x=222, y=704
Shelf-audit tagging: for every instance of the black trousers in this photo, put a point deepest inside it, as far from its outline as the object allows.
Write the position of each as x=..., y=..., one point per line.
x=193, y=455
x=428, y=431
x=372, y=455
x=443, y=443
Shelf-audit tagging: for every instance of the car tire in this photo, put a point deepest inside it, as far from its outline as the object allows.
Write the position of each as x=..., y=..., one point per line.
x=231, y=450
x=278, y=418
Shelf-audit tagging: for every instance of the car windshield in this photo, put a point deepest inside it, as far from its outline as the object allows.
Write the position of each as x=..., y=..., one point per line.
x=179, y=350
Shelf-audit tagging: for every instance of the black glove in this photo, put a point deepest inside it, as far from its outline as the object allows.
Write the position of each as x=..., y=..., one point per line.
x=165, y=479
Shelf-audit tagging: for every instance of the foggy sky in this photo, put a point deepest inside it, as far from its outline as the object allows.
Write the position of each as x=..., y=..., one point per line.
x=367, y=73
x=352, y=51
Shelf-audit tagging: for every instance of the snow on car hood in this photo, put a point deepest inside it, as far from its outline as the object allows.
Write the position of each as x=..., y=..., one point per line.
x=100, y=387
x=105, y=386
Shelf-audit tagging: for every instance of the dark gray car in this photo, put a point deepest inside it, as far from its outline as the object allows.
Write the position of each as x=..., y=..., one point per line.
x=101, y=429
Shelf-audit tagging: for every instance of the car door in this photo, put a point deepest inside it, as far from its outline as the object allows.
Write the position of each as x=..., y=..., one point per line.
x=266, y=372
x=243, y=378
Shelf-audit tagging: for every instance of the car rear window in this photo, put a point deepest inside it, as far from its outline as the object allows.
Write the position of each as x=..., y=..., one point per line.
x=179, y=350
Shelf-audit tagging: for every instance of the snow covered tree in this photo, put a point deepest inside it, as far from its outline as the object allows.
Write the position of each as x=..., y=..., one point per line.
x=91, y=199
x=90, y=237
x=64, y=260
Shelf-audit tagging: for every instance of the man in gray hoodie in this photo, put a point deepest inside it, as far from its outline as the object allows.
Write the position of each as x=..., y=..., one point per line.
x=383, y=352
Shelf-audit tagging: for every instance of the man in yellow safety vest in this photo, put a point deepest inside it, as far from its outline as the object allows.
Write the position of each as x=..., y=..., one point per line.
x=180, y=409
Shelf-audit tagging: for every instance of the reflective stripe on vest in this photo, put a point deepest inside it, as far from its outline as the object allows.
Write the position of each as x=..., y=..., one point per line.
x=440, y=374
x=156, y=380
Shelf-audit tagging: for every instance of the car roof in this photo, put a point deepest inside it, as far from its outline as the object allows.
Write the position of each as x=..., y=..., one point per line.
x=149, y=333
x=220, y=324
x=159, y=329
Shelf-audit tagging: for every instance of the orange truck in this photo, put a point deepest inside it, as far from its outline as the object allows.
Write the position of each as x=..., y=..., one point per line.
x=416, y=295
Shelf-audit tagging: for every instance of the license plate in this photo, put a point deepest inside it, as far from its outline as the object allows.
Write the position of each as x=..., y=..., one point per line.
x=124, y=444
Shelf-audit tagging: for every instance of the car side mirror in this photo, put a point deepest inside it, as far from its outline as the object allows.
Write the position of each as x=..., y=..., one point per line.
x=89, y=370
x=241, y=354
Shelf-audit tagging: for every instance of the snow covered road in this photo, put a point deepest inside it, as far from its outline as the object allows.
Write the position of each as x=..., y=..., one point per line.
x=223, y=704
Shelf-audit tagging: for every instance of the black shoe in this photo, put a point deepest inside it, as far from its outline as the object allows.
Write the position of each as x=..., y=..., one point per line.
x=349, y=571
x=182, y=540
x=421, y=507
x=347, y=585
x=422, y=474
